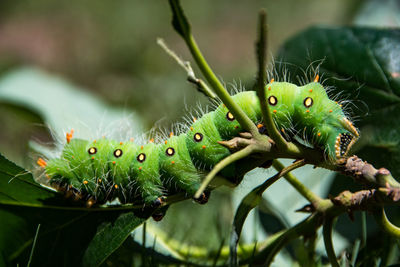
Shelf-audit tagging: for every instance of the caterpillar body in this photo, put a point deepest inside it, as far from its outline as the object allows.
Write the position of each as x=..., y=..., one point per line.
x=102, y=170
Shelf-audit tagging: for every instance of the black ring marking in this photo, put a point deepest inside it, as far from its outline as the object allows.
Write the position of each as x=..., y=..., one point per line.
x=141, y=157
x=92, y=150
x=308, y=102
x=118, y=153
x=272, y=100
x=198, y=137
x=229, y=116
x=170, y=151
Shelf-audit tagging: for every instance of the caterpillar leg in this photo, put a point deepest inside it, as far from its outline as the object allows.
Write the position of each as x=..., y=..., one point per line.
x=203, y=199
x=159, y=214
x=158, y=202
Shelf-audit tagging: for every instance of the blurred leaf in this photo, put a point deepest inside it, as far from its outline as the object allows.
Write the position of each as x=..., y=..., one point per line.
x=364, y=65
x=179, y=20
x=64, y=106
x=373, y=13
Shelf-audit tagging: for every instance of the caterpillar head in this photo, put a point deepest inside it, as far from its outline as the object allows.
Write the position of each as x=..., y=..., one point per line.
x=331, y=128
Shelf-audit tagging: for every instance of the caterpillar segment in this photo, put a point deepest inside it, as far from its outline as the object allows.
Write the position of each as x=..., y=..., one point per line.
x=101, y=170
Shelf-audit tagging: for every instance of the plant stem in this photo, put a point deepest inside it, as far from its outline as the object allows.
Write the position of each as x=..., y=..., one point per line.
x=301, y=188
x=384, y=222
x=327, y=233
x=261, y=49
x=222, y=164
x=184, y=29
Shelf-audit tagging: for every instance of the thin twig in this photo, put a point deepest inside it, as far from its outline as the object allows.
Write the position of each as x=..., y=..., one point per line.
x=301, y=188
x=222, y=164
x=191, y=77
x=261, y=49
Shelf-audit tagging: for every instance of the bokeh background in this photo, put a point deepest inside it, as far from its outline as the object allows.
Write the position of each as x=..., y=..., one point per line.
x=109, y=48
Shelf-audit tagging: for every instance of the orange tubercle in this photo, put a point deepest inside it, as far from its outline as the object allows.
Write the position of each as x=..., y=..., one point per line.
x=172, y=162
x=316, y=78
x=116, y=186
x=121, y=143
x=165, y=141
x=151, y=140
x=85, y=182
x=140, y=168
x=272, y=80
x=191, y=128
x=319, y=134
x=171, y=134
x=310, y=90
x=132, y=139
x=113, y=162
x=330, y=111
x=203, y=147
x=307, y=111
x=269, y=88
x=194, y=119
x=259, y=125
x=70, y=135
x=141, y=147
x=41, y=162
x=274, y=111
x=92, y=157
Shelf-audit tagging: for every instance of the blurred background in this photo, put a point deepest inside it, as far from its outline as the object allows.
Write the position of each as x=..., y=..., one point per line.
x=104, y=57
x=109, y=48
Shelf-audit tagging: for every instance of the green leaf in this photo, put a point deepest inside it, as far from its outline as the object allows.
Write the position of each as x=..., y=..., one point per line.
x=66, y=229
x=17, y=187
x=109, y=237
x=363, y=64
x=179, y=20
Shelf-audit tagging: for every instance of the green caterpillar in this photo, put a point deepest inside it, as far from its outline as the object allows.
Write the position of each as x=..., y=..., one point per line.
x=102, y=170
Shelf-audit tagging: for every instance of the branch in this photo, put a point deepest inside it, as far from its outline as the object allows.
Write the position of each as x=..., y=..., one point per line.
x=366, y=173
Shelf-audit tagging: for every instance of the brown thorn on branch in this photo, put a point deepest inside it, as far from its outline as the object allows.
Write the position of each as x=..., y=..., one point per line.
x=366, y=173
x=360, y=200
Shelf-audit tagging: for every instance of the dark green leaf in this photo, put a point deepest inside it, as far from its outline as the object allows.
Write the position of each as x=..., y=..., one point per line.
x=364, y=66
x=109, y=237
x=179, y=20
x=66, y=230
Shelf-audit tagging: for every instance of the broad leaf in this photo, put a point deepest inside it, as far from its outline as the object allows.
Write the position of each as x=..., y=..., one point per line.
x=66, y=230
x=363, y=64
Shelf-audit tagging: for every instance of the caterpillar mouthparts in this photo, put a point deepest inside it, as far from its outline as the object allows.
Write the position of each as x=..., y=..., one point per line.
x=344, y=142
